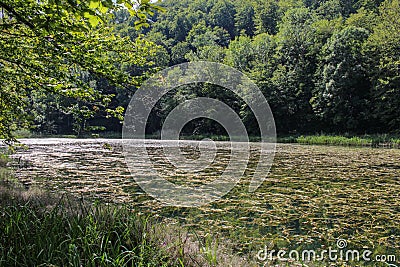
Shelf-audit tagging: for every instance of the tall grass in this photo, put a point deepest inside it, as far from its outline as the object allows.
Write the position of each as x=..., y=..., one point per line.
x=40, y=231
x=32, y=235
x=366, y=140
x=38, y=228
x=334, y=140
x=4, y=171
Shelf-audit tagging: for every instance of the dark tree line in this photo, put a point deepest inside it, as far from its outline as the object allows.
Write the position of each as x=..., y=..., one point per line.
x=328, y=66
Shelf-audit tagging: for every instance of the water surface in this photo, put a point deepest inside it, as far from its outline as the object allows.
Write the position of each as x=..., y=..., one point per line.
x=312, y=196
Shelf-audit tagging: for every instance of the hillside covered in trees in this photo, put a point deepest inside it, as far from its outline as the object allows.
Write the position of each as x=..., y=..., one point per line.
x=328, y=66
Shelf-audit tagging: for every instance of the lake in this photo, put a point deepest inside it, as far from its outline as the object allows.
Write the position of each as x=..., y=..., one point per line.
x=312, y=196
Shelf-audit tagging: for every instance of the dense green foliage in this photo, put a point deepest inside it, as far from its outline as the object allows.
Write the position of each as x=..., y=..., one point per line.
x=328, y=66
x=54, y=55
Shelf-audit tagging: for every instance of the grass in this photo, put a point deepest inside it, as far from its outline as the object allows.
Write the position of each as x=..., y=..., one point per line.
x=334, y=140
x=96, y=237
x=360, y=141
x=38, y=228
x=382, y=140
x=313, y=196
x=376, y=140
x=44, y=231
x=25, y=133
x=5, y=173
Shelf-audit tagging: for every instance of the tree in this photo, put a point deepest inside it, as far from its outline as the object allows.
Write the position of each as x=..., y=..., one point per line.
x=384, y=51
x=50, y=45
x=240, y=54
x=263, y=48
x=330, y=9
x=244, y=19
x=180, y=28
x=295, y=68
x=310, y=58
x=222, y=14
x=266, y=17
x=342, y=93
x=178, y=52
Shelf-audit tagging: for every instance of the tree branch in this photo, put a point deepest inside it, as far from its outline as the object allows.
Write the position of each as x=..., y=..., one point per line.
x=16, y=15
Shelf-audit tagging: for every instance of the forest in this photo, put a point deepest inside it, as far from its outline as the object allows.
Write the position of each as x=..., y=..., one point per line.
x=73, y=193
x=324, y=66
